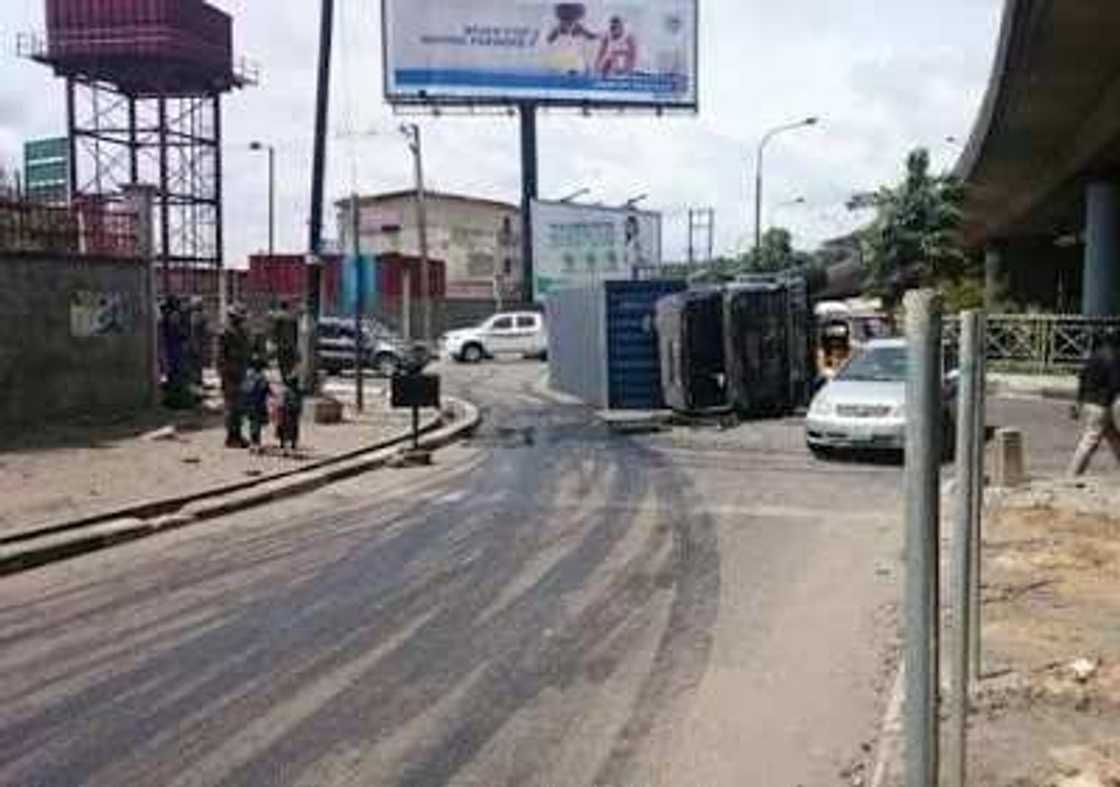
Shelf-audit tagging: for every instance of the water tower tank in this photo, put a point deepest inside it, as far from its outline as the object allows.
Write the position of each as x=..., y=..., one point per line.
x=142, y=46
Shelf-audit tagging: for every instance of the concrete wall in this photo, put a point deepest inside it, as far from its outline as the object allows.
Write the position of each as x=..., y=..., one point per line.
x=75, y=338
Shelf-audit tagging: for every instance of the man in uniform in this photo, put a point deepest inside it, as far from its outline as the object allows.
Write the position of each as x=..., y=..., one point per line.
x=199, y=341
x=235, y=349
x=285, y=337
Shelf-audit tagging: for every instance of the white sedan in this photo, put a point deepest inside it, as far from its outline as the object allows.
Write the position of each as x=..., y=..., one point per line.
x=864, y=406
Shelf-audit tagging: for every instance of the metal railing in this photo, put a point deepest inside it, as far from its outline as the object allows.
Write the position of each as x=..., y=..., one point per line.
x=100, y=229
x=1038, y=343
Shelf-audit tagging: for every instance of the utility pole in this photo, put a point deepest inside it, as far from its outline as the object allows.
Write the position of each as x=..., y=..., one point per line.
x=412, y=132
x=691, y=230
x=359, y=303
x=318, y=174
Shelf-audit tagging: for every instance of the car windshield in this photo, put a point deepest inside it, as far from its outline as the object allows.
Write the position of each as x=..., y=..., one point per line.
x=879, y=364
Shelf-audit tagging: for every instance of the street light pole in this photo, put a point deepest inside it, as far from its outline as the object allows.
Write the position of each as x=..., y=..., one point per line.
x=271, y=194
x=412, y=133
x=812, y=121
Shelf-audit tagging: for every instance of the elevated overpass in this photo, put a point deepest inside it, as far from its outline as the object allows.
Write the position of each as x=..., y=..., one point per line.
x=1043, y=160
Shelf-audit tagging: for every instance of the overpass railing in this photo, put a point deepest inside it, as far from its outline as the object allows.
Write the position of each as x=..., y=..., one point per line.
x=1039, y=343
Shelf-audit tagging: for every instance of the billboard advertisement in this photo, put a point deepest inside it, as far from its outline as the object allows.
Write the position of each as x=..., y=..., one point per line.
x=577, y=245
x=609, y=52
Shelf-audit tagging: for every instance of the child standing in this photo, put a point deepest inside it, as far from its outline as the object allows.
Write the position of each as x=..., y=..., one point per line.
x=288, y=414
x=256, y=391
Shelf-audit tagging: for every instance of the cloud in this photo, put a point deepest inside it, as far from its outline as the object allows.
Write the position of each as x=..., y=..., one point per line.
x=884, y=77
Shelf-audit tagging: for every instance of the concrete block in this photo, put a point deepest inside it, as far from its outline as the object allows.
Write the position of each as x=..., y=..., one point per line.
x=1009, y=463
x=327, y=411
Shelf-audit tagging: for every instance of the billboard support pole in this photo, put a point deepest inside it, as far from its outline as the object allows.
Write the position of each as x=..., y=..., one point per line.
x=318, y=172
x=528, y=113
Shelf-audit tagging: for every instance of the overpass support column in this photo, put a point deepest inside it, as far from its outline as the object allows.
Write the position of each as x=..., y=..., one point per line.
x=995, y=284
x=1101, y=286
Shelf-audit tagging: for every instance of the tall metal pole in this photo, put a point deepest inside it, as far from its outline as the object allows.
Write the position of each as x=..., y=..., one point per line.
x=758, y=195
x=271, y=202
x=529, y=191
x=359, y=303
x=980, y=436
x=72, y=142
x=164, y=201
x=318, y=174
x=711, y=234
x=968, y=402
x=769, y=135
x=422, y=225
x=923, y=470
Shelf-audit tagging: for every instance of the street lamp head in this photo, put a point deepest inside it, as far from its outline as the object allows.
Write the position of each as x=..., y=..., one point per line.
x=812, y=121
x=255, y=145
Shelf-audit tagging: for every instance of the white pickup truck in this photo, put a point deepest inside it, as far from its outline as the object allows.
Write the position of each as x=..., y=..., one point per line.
x=508, y=333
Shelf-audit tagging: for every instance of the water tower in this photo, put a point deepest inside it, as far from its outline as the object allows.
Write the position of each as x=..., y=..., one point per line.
x=144, y=87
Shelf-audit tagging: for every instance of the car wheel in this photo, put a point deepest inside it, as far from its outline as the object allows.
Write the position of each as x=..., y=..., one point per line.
x=472, y=353
x=386, y=364
x=821, y=452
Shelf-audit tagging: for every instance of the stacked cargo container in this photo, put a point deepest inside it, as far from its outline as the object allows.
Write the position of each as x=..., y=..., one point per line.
x=182, y=33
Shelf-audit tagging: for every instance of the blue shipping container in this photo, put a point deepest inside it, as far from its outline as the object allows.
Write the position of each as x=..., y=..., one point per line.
x=603, y=344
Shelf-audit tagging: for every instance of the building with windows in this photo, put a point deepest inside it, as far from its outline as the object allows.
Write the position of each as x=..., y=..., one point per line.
x=478, y=239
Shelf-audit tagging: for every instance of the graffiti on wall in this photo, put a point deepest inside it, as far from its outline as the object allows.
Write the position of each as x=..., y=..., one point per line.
x=96, y=314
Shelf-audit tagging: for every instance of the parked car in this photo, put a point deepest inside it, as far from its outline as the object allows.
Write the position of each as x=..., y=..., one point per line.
x=384, y=352
x=864, y=405
x=511, y=333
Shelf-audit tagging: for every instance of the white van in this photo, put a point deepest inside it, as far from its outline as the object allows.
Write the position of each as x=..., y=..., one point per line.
x=508, y=333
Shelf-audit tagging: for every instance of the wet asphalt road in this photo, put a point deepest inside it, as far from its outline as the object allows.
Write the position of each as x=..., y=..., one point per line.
x=549, y=605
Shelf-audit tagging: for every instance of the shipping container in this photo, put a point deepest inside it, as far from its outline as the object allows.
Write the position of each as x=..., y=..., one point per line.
x=691, y=334
x=120, y=39
x=756, y=355
x=602, y=343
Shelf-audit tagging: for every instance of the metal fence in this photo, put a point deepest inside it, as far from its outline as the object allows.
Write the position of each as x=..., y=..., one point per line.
x=101, y=228
x=1038, y=343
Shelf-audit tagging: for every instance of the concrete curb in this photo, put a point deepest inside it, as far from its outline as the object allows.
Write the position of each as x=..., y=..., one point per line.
x=1010, y=390
x=81, y=538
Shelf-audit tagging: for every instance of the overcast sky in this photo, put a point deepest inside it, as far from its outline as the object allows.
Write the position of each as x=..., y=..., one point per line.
x=883, y=75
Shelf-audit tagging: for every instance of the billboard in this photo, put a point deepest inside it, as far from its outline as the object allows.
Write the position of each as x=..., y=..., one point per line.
x=608, y=52
x=577, y=245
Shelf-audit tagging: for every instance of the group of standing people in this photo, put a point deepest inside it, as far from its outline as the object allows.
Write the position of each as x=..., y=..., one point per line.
x=247, y=393
x=184, y=344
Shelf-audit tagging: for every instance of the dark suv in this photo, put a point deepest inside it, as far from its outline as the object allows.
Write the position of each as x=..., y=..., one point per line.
x=383, y=351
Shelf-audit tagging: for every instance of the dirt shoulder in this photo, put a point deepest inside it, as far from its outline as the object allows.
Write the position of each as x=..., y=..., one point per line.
x=1048, y=710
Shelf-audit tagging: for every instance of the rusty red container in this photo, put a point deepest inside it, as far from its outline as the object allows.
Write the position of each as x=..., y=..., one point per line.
x=128, y=36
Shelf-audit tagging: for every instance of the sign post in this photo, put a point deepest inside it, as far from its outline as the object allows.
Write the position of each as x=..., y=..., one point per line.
x=416, y=391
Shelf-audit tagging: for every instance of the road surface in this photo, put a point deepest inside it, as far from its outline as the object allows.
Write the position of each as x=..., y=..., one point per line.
x=549, y=605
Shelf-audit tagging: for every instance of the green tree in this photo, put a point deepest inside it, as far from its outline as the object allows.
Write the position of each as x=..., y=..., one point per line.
x=774, y=254
x=913, y=240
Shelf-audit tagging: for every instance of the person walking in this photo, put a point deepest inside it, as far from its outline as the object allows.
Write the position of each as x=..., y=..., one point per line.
x=1098, y=404
x=234, y=351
